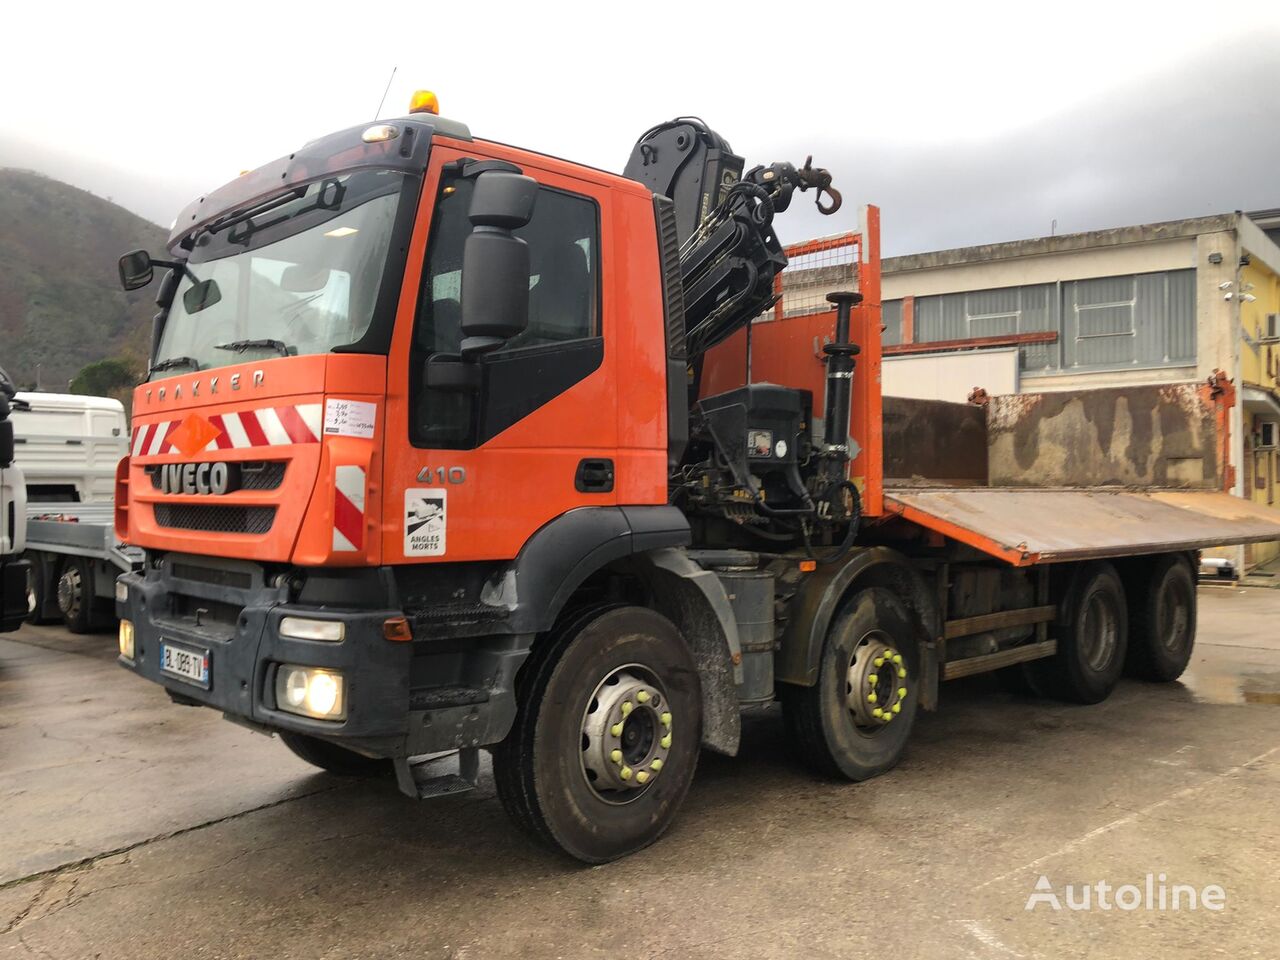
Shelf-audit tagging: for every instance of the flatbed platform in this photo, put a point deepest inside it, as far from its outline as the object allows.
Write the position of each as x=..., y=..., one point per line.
x=1026, y=526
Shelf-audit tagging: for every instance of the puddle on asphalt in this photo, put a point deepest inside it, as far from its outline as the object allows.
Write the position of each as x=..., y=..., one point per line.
x=1247, y=686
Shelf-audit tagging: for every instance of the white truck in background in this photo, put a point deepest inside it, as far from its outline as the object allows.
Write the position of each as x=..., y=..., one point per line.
x=68, y=447
x=13, y=521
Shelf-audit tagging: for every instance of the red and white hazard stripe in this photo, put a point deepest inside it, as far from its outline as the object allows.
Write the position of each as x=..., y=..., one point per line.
x=264, y=427
x=348, y=509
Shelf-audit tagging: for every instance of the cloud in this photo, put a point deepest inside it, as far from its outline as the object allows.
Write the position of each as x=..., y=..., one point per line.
x=1193, y=135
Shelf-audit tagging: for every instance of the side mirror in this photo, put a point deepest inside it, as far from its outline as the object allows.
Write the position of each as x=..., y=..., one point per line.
x=136, y=270
x=495, y=263
x=201, y=296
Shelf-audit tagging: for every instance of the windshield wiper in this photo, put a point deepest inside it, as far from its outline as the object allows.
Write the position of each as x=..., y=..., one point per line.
x=172, y=362
x=240, y=346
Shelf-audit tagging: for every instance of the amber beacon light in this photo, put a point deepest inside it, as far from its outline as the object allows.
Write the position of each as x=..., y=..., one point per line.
x=424, y=101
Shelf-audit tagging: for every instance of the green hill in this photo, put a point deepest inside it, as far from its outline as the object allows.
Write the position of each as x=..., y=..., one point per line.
x=61, y=305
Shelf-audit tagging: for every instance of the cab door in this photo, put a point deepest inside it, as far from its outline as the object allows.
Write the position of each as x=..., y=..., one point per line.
x=472, y=474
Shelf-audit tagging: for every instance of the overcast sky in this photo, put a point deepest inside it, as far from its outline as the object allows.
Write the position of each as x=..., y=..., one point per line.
x=967, y=123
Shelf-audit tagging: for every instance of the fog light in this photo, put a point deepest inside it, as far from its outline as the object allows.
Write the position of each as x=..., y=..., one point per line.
x=126, y=639
x=122, y=592
x=311, y=692
x=300, y=628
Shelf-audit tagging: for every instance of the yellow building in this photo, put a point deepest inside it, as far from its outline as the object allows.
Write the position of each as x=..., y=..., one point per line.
x=1259, y=307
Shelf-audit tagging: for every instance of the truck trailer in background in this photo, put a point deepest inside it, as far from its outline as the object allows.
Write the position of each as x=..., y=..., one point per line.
x=68, y=447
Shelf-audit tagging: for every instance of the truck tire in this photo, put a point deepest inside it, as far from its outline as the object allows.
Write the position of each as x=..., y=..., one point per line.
x=1092, y=630
x=606, y=736
x=854, y=722
x=1162, y=620
x=332, y=758
x=76, y=598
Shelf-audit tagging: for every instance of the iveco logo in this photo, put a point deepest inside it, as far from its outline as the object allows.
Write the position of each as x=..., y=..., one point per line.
x=209, y=478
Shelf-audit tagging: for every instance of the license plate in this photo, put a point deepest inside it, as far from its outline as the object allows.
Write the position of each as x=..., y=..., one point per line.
x=185, y=663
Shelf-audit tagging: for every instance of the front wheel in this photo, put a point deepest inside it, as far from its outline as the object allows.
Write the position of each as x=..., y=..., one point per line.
x=606, y=736
x=855, y=721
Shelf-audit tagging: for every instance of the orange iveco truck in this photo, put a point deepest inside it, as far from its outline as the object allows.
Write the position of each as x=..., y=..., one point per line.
x=449, y=445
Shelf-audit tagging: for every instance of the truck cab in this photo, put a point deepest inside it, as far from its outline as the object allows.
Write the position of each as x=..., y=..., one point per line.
x=13, y=519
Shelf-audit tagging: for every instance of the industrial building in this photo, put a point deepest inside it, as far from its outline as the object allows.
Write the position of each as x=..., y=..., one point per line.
x=1157, y=303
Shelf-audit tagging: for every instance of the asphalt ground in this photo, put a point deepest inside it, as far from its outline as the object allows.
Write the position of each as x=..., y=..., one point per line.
x=134, y=828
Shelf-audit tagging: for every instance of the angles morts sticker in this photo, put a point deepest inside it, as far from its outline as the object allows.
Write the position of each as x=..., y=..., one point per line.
x=424, y=522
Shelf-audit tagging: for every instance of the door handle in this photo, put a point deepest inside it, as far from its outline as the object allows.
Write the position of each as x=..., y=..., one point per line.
x=595, y=475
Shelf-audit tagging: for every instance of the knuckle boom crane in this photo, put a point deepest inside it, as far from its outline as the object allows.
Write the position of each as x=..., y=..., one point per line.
x=752, y=469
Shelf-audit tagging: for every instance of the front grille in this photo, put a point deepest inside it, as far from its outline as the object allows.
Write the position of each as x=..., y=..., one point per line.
x=254, y=474
x=215, y=518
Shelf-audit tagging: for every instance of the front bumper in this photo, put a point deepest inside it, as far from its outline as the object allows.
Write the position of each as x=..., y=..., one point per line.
x=403, y=699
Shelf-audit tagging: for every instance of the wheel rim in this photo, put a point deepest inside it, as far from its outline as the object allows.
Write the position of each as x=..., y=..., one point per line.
x=626, y=734
x=876, y=683
x=1100, y=626
x=70, y=592
x=1173, y=615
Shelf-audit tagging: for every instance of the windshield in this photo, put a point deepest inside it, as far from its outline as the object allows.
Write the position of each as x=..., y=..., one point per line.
x=297, y=274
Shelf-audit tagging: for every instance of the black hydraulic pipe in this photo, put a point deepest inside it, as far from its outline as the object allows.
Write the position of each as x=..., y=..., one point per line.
x=840, y=364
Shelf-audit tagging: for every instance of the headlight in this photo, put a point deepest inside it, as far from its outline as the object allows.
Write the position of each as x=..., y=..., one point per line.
x=126, y=639
x=311, y=692
x=300, y=628
x=122, y=591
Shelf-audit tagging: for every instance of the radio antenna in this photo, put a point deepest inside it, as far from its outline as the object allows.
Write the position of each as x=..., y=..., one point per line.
x=377, y=113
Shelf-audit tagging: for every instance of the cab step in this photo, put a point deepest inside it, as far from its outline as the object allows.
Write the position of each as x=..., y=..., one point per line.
x=437, y=775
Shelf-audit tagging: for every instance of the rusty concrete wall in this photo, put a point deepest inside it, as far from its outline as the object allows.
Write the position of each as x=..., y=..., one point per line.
x=1158, y=436
x=936, y=441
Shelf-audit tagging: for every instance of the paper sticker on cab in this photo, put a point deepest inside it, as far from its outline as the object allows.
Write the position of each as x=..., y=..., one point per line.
x=424, y=521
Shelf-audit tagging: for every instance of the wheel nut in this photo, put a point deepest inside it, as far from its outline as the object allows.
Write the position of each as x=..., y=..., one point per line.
x=878, y=662
x=665, y=742
x=871, y=697
x=643, y=696
x=642, y=777
x=873, y=679
x=902, y=673
x=616, y=756
x=666, y=720
x=627, y=708
x=616, y=729
x=897, y=708
x=656, y=765
x=897, y=658
x=877, y=712
x=888, y=717
x=902, y=692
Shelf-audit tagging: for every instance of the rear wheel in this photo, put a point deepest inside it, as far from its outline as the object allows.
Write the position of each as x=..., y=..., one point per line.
x=76, y=598
x=606, y=736
x=333, y=758
x=1162, y=620
x=1092, y=631
x=855, y=721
